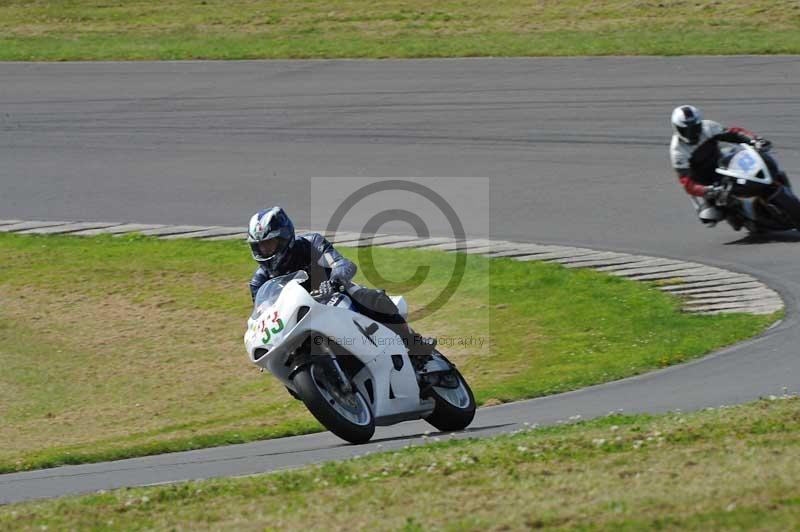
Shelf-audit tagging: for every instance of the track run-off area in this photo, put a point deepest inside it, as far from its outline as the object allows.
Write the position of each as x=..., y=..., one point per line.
x=575, y=151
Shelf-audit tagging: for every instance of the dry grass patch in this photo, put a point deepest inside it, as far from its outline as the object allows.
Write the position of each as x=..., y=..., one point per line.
x=109, y=367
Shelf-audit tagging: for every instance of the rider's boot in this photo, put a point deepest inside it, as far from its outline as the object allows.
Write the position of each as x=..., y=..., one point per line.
x=417, y=344
x=422, y=346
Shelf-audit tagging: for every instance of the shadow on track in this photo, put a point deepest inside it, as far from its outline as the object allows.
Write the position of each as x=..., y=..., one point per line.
x=766, y=238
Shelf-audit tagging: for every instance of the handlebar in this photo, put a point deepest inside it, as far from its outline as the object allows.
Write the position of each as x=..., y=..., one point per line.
x=316, y=293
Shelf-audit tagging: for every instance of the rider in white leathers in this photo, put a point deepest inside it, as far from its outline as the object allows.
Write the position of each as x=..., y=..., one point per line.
x=694, y=152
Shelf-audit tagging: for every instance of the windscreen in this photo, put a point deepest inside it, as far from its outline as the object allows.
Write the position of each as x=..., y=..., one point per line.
x=745, y=164
x=269, y=291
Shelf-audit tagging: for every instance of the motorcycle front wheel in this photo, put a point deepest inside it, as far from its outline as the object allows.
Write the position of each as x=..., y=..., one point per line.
x=345, y=414
x=455, y=404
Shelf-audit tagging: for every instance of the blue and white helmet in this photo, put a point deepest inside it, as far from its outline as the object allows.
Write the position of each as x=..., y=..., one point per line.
x=271, y=236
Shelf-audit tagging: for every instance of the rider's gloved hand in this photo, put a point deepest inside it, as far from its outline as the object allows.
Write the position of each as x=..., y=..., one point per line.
x=761, y=144
x=328, y=287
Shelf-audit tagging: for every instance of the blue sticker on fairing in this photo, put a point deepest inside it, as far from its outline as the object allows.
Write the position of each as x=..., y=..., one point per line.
x=746, y=162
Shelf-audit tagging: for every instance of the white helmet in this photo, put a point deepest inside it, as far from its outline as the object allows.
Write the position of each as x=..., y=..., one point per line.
x=687, y=123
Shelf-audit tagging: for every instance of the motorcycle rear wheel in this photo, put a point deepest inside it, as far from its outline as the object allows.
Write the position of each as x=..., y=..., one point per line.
x=455, y=407
x=346, y=415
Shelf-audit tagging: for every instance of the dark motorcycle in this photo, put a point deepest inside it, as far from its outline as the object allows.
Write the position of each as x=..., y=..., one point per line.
x=755, y=194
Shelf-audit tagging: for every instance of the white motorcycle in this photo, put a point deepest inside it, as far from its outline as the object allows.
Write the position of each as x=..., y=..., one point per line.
x=351, y=372
x=753, y=195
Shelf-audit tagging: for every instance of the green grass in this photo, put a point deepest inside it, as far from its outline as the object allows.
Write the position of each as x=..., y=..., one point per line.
x=243, y=29
x=119, y=347
x=719, y=469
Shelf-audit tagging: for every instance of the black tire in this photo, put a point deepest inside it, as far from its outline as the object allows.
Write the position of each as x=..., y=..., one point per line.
x=292, y=393
x=447, y=416
x=789, y=204
x=309, y=391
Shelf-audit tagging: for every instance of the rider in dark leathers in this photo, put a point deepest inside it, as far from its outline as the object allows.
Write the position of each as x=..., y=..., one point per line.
x=279, y=252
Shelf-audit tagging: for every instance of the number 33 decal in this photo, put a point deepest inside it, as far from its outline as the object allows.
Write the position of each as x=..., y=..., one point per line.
x=278, y=323
x=274, y=330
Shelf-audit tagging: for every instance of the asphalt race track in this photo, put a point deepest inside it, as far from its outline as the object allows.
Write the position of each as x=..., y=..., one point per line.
x=575, y=150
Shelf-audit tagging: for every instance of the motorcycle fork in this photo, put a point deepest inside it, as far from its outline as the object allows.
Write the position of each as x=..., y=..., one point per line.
x=347, y=387
x=304, y=356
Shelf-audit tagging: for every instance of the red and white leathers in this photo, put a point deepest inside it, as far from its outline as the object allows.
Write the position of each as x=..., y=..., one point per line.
x=696, y=163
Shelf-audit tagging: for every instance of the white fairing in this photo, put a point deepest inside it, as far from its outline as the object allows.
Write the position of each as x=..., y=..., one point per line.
x=393, y=394
x=747, y=165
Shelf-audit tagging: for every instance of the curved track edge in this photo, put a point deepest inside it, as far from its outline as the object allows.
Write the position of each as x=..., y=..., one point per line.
x=704, y=289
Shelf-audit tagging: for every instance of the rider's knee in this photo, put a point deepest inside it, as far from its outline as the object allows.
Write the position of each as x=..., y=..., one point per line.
x=375, y=302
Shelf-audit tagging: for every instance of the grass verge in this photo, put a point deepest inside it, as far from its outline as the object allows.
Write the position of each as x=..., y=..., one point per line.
x=241, y=29
x=119, y=347
x=721, y=469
